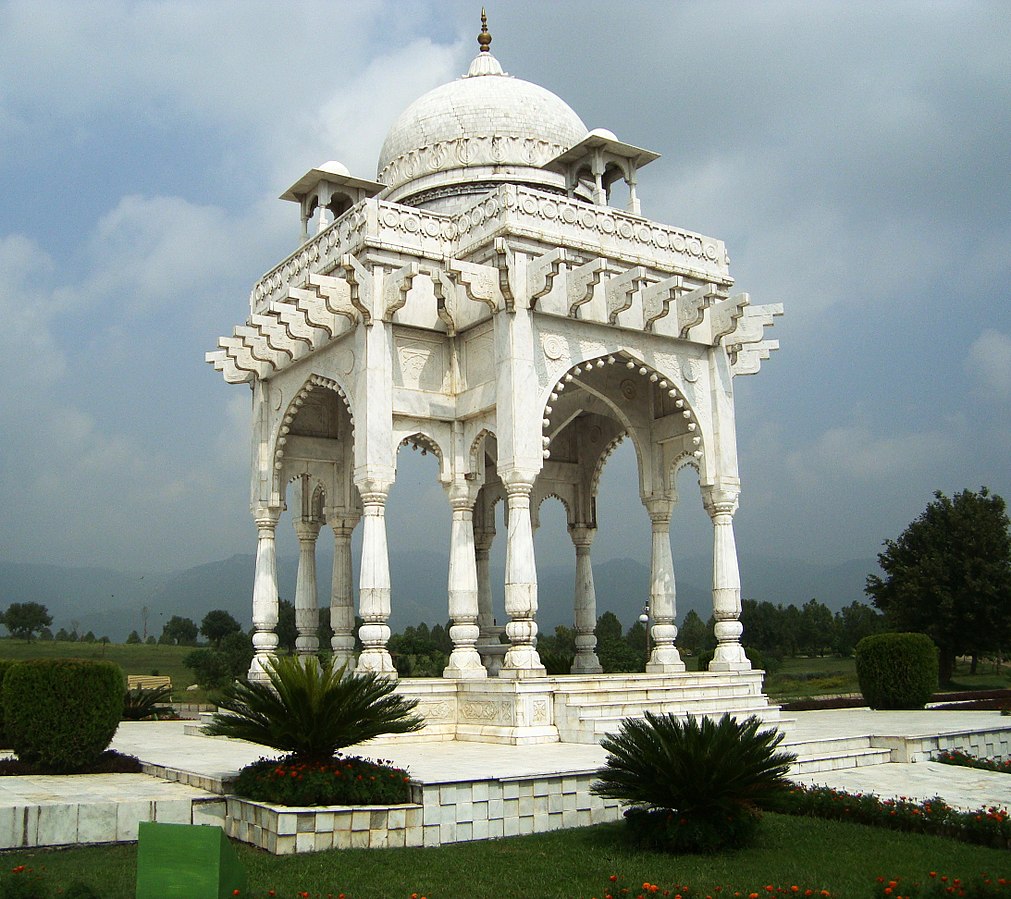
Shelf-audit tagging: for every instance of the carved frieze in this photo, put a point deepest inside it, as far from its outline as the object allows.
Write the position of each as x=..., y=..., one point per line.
x=487, y=711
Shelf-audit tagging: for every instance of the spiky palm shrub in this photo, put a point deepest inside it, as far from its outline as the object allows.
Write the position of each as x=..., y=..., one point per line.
x=140, y=703
x=693, y=785
x=311, y=710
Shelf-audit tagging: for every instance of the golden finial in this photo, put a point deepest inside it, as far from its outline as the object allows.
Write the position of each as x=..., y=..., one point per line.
x=484, y=38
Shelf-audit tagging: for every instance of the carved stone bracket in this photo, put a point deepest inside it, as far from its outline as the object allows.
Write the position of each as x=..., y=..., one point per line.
x=359, y=279
x=542, y=271
x=445, y=299
x=580, y=282
x=745, y=344
x=480, y=282
x=724, y=315
x=618, y=291
x=691, y=307
x=505, y=262
x=656, y=299
x=396, y=287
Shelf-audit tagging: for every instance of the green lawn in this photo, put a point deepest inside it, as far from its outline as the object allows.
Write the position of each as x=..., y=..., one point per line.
x=134, y=658
x=843, y=858
x=803, y=677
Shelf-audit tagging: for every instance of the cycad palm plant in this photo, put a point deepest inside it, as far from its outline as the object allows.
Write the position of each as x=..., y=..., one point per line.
x=693, y=784
x=311, y=710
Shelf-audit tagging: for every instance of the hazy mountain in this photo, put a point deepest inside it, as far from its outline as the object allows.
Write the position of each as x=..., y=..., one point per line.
x=111, y=602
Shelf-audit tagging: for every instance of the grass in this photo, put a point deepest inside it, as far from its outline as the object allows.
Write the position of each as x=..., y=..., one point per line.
x=803, y=677
x=840, y=857
x=133, y=658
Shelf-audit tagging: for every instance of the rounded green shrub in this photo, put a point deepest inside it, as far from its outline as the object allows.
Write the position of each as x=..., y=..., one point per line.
x=896, y=671
x=62, y=713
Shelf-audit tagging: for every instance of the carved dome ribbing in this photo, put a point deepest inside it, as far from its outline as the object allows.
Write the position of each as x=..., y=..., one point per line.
x=485, y=126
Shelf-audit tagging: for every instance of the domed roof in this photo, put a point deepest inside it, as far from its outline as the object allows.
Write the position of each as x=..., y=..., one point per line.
x=485, y=126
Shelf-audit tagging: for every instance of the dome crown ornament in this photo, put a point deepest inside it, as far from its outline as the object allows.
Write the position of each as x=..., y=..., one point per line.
x=484, y=38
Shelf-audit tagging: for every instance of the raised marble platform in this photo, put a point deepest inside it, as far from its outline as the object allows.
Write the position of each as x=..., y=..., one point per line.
x=466, y=790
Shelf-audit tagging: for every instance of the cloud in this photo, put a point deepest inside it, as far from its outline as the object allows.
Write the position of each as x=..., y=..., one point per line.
x=854, y=454
x=32, y=360
x=989, y=364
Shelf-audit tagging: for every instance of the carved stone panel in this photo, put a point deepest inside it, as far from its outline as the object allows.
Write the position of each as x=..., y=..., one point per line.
x=479, y=363
x=420, y=363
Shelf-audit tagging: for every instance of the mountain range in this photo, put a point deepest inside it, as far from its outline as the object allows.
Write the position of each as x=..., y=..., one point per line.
x=112, y=603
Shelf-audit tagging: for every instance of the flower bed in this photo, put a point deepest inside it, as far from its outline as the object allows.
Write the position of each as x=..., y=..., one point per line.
x=616, y=888
x=941, y=885
x=985, y=827
x=342, y=780
x=965, y=760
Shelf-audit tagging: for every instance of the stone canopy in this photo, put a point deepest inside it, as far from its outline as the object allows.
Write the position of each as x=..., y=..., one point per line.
x=483, y=300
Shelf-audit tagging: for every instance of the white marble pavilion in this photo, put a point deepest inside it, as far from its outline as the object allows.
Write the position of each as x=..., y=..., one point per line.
x=486, y=300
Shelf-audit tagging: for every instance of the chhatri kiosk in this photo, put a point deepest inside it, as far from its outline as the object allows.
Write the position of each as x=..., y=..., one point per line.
x=486, y=300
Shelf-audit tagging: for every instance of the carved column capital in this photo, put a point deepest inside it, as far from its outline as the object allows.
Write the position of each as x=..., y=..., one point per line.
x=582, y=536
x=266, y=517
x=307, y=529
x=719, y=501
x=659, y=509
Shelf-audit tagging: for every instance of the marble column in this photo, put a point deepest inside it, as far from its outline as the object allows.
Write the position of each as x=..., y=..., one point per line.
x=483, y=538
x=465, y=661
x=264, y=592
x=374, y=583
x=521, y=659
x=665, y=658
x=306, y=591
x=584, y=603
x=342, y=608
x=729, y=655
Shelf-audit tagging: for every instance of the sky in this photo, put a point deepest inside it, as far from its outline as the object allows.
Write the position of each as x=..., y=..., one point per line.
x=854, y=156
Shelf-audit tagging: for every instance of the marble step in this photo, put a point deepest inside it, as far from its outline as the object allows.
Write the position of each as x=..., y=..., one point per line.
x=617, y=708
x=835, y=753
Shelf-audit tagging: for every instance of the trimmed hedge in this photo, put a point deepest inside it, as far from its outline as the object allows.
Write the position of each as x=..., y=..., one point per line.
x=896, y=671
x=5, y=665
x=62, y=713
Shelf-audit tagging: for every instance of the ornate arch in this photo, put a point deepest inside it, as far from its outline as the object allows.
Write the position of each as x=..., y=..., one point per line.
x=313, y=382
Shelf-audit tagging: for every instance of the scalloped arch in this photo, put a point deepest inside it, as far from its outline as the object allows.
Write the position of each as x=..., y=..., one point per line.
x=297, y=401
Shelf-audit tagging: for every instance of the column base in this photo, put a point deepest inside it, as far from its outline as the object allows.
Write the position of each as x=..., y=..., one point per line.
x=465, y=664
x=665, y=660
x=376, y=661
x=730, y=657
x=586, y=663
x=258, y=668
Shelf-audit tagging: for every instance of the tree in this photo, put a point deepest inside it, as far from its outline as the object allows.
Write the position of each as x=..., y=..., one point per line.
x=218, y=624
x=286, y=631
x=179, y=631
x=817, y=627
x=692, y=634
x=853, y=623
x=23, y=619
x=133, y=638
x=948, y=575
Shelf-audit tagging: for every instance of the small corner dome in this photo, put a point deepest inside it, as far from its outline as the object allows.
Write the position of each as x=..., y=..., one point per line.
x=603, y=132
x=333, y=167
x=482, y=128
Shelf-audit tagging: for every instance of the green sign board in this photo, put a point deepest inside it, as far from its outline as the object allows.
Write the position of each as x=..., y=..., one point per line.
x=186, y=861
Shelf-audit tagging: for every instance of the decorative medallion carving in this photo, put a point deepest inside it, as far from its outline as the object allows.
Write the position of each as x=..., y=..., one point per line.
x=553, y=346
